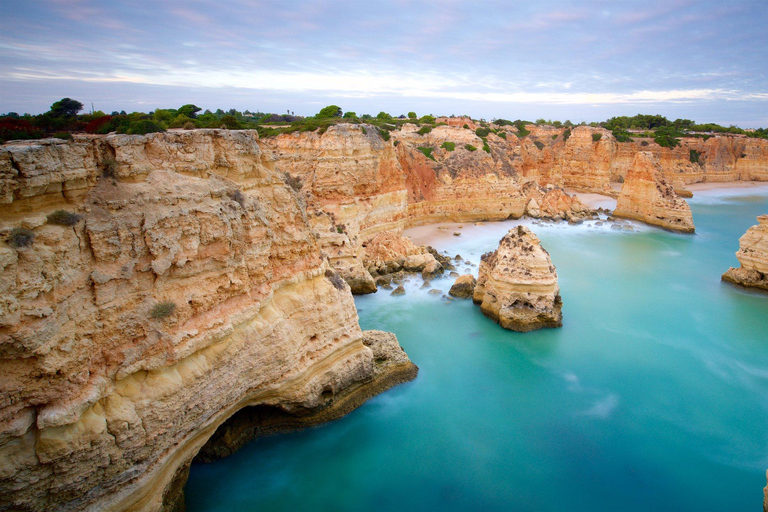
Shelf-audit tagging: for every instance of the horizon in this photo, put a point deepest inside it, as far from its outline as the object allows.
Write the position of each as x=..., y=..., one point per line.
x=703, y=61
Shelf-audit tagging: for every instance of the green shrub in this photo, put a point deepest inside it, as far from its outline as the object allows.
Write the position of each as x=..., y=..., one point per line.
x=427, y=119
x=63, y=218
x=365, y=132
x=539, y=144
x=396, y=143
x=109, y=167
x=350, y=115
x=470, y=147
x=63, y=135
x=522, y=131
x=566, y=134
x=384, y=134
x=162, y=310
x=666, y=137
x=424, y=130
x=449, y=146
x=412, y=115
x=329, y=112
x=554, y=136
x=596, y=137
x=482, y=132
x=621, y=135
x=229, y=122
x=427, y=151
x=466, y=126
x=143, y=127
x=21, y=237
x=694, y=156
x=189, y=125
x=486, y=147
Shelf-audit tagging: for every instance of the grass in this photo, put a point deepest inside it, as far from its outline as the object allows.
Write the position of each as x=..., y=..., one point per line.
x=566, y=134
x=503, y=135
x=427, y=151
x=162, y=310
x=448, y=146
x=596, y=137
x=470, y=147
x=63, y=218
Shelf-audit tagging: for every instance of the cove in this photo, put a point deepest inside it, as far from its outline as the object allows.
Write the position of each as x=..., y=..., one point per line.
x=652, y=396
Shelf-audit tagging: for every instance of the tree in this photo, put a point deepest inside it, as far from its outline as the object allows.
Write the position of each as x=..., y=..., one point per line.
x=189, y=110
x=383, y=116
x=66, y=107
x=411, y=115
x=329, y=112
x=350, y=115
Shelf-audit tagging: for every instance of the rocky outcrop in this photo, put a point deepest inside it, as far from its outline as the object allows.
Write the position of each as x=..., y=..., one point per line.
x=753, y=256
x=463, y=287
x=193, y=286
x=387, y=253
x=646, y=196
x=517, y=284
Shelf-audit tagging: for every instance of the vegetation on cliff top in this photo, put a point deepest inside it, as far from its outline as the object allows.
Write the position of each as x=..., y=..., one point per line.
x=63, y=119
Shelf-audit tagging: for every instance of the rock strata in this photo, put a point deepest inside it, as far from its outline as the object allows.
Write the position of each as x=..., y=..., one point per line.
x=647, y=196
x=753, y=256
x=517, y=284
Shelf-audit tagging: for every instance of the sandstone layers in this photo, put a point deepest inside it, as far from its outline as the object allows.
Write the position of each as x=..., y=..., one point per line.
x=646, y=196
x=105, y=401
x=753, y=256
x=517, y=284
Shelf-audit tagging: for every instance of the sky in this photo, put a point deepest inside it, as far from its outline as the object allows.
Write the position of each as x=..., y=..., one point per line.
x=582, y=60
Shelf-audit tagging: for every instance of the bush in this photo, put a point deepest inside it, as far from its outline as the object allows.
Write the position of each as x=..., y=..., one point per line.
x=143, y=127
x=522, y=131
x=384, y=134
x=109, y=167
x=21, y=237
x=621, y=135
x=596, y=137
x=412, y=115
x=427, y=119
x=666, y=137
x=11, y=128
x=482, y=132
x=189, y=125
x=230, y=122
x=503, y=135
x=470, y=147
x=63, y=135
x=449, y=146
x=566, y=134
x=554, y=136
x=365, y=132
x=424, y=130
x=539, y=145
x=466, y=126
x=63, y=218
x=427, y=151
x=694, y=156
x=350, y=115
x=329, y=112
x=162, y=310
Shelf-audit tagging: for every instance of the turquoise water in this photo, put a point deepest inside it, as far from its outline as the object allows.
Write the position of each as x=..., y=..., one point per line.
x=652, y=396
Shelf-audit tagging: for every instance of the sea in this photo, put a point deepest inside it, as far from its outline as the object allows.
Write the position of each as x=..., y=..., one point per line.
x=653, y=396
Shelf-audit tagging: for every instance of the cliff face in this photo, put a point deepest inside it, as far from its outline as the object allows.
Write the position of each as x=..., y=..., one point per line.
x=753, y=256
x=517, y=284
x=646, y=196
x=106, y=399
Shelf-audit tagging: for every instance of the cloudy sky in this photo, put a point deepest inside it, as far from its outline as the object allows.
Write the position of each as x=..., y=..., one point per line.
x=586, y=60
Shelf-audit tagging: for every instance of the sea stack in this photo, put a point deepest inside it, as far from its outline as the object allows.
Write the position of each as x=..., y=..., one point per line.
x=753, y=256
x=517, y=284
x=648, y=197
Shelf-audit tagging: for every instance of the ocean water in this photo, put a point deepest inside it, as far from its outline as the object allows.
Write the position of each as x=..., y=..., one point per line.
x=652, y=396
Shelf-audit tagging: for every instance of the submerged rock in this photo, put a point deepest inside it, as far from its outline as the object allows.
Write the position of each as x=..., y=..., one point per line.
x=464, y=287
x=753, y=256
x=517, y=284
x=646, y=196
x=398, y=291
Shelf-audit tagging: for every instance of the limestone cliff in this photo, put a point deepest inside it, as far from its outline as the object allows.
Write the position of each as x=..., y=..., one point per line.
x=192, y=287
x=753, y=256
x=517, y=284
x=646, y=196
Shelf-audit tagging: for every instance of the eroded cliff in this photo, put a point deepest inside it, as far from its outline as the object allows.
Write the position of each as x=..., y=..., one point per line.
x=192, y=287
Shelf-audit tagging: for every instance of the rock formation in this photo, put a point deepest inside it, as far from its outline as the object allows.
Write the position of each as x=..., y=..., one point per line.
x=517, y=284
x=387, y=253
x=753, y=256
x=646, y=196
x=463, y=287
x=192, y=287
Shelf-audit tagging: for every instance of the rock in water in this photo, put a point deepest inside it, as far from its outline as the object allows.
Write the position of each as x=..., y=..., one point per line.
x=399, y=291
x=464, y=287
x=517, y=284
x=753, y=256
x=646, y=196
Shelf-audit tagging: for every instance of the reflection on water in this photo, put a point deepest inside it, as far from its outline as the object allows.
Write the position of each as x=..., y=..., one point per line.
x=653, y=395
